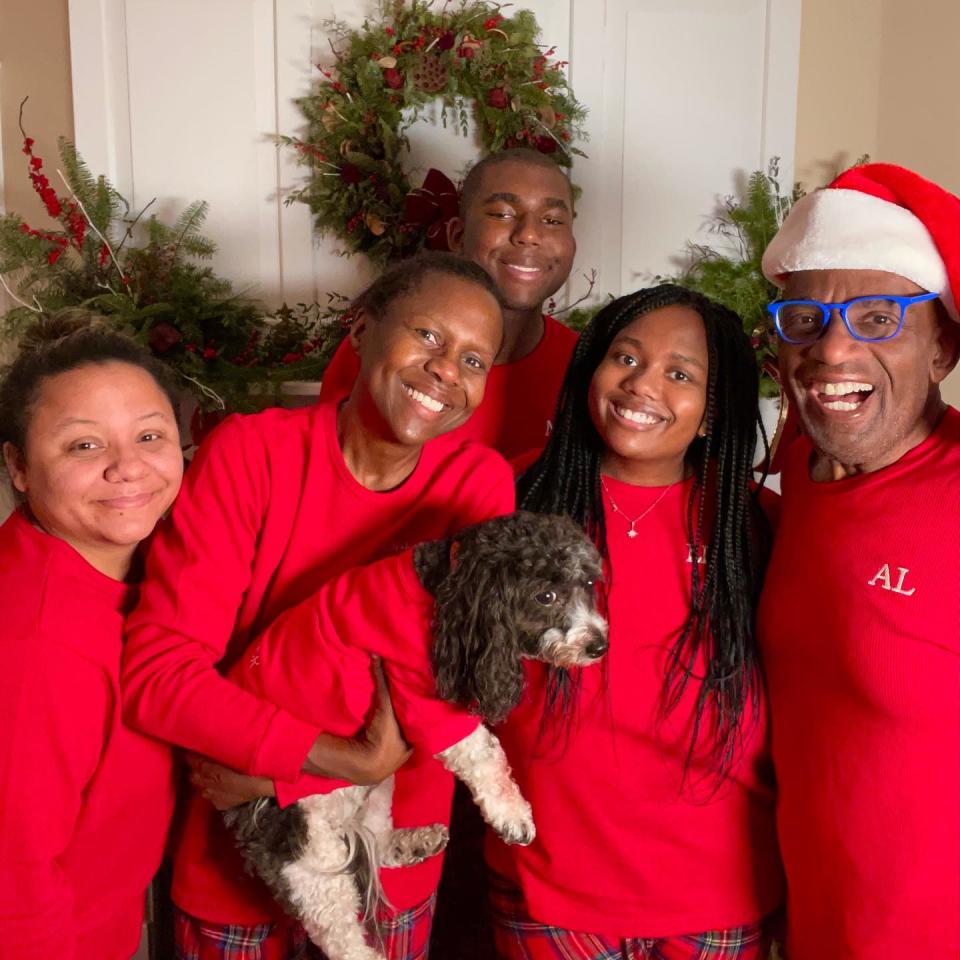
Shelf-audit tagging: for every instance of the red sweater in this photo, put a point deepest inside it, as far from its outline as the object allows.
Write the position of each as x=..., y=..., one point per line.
x=516, y=414
x=860, y=625
x=380, y=609
x=624, y=846
x=269, y=509
x=85, y=802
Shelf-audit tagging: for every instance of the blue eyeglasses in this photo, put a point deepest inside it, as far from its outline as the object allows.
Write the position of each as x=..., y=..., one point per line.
x=872, y=319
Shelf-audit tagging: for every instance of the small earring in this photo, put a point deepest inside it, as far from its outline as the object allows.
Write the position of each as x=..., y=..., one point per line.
x=702, y=432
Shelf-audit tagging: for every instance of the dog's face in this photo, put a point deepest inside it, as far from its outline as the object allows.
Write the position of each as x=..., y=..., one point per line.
x=555, y=611
x=521, y=586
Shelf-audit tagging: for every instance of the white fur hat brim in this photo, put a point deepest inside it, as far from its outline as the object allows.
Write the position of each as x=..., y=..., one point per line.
x=837, y=229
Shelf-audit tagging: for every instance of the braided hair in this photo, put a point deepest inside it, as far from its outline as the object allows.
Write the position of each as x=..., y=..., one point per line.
x=732, y=532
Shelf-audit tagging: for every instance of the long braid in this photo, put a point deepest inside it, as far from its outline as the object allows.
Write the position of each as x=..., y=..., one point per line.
x=720, y=627
x=721, y=624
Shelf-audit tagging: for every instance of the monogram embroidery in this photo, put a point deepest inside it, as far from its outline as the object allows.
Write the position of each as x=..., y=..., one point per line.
x=884, y=579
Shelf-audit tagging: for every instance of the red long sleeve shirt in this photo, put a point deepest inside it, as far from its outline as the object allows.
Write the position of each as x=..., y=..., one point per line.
x=381, y=609
x=269, y=510
x=86, y=801
x=516, y=414
x=860, y=629
x=625, y=846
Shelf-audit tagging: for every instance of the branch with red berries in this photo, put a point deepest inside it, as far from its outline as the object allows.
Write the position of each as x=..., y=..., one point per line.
x=149, y=280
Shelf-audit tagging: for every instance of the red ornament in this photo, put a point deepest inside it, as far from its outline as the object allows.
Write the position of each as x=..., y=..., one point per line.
x=499, y=98
x=447, y=40
x=163, y=336
x=493, y=22
x=389, y=31
x=545, y=144
x=350, y=174
x=466, y=52
x=393, y=78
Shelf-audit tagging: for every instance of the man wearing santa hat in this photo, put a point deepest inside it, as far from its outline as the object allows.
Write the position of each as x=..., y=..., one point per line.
x=860, y=618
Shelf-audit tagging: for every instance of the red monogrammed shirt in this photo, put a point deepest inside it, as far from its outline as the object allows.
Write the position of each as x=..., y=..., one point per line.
x=315, y=658
x=860, y=630
x=626, y=845
x=269, y=509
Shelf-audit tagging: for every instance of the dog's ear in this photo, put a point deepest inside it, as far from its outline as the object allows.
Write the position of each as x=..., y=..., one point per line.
x=476, y=656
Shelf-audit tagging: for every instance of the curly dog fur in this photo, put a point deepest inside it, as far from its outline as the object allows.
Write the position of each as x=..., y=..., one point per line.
x=520, y=586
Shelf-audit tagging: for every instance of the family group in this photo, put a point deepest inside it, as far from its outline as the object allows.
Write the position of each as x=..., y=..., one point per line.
x=766, y=758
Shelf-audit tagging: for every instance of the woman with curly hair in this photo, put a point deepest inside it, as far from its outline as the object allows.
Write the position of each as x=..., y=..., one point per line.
x=651, y=786
x=91, y=445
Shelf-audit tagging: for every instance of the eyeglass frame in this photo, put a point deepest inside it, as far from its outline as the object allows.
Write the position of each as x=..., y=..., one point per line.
x=826, y=310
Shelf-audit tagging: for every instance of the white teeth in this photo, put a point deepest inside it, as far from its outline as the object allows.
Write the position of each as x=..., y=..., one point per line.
x=840, y=405
x=523, y=269
x=434, y=405
x=841, y=389
x=636, y=416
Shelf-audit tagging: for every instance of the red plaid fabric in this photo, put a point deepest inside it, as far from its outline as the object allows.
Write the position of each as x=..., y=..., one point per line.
x=401, y=936
x=519, y=937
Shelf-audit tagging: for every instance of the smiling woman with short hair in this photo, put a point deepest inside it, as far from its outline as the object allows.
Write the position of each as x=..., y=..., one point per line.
x=276, y=504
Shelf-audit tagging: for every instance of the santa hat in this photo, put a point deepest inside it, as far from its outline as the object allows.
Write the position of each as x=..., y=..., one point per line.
x=874, y=217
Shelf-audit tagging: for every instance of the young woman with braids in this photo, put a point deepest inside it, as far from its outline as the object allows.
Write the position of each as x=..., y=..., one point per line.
x=654, y=809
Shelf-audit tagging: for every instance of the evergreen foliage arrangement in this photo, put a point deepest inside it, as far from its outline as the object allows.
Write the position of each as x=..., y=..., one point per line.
x=150, y=280
x=732, y=275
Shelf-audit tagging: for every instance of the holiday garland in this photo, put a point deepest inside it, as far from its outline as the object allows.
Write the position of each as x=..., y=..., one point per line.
x=384, y=76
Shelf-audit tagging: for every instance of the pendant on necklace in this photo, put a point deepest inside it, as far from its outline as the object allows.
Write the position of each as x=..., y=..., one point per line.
x=631, y=533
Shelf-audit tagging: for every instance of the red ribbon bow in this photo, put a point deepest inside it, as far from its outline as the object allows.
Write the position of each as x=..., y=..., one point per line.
x=431, y=207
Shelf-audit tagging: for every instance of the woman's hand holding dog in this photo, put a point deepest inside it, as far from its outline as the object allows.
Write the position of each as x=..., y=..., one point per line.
x=376, y=752
x=223, y=786
x=371, y=756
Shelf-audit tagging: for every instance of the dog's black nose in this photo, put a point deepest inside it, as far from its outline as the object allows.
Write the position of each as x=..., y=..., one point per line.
x=596, y=648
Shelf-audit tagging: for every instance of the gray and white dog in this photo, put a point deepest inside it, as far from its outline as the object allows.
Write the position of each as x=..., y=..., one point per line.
x=514, y=588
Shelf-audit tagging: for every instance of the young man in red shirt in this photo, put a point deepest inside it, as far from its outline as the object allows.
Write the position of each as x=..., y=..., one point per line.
x=516, y=221
x=860, y=617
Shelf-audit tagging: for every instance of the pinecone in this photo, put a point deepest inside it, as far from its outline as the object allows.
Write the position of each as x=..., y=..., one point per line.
x=430, y=75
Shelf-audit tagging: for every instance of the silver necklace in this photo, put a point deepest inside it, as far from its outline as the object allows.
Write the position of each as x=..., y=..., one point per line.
x=633, y=522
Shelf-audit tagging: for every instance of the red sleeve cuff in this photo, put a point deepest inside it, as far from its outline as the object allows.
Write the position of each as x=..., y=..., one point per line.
x=305, y=786
x=284, y=748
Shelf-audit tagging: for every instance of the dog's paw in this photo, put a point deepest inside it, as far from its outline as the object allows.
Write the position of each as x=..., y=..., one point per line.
x=410, y=845
x=520, y=833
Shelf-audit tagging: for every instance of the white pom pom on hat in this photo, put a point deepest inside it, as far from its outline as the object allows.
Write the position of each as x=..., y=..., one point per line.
x=874, y=217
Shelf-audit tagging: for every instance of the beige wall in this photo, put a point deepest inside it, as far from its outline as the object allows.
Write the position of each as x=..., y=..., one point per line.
x=34, y=62
x=838, y=104
x=880, y=77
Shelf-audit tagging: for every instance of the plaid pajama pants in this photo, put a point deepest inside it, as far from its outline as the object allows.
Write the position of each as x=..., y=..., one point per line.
x=519, y=937
x=404, y=936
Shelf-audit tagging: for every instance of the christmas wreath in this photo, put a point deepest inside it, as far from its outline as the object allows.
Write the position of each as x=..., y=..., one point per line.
x=383, y=77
